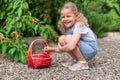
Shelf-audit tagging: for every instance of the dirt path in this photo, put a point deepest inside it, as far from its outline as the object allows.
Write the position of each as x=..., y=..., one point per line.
x=105, y=65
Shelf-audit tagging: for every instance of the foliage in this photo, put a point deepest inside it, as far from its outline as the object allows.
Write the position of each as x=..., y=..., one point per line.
x=103, y=15
x=16, y=22
x=15, y=47
x=18, y=18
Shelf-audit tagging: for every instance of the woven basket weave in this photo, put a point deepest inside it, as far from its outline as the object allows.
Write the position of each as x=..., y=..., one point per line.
x=40, y=60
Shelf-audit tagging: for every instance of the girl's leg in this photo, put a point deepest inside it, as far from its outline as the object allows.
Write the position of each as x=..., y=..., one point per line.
x=82, y=63
x=76, y=53
x=63, y=41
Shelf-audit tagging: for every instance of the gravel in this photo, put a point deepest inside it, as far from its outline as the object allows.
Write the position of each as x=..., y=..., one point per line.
x=104, y=66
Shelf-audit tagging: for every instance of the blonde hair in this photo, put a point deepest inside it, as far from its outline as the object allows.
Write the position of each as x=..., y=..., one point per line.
x=80, y=17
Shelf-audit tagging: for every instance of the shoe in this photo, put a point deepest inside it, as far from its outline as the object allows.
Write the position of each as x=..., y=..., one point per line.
x=68, y=63
x=80, y=65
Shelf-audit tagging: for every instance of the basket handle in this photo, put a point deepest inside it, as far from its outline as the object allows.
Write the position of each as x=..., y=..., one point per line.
x=30, y=47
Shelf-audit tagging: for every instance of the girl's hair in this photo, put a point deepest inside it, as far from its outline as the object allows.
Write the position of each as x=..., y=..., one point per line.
x=80, y=17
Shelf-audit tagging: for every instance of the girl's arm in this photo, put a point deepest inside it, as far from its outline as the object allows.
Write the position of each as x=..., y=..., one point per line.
x=51, y=49
x=71, y=43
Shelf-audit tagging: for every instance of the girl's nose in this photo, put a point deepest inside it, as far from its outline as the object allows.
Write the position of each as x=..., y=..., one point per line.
x=65, y=18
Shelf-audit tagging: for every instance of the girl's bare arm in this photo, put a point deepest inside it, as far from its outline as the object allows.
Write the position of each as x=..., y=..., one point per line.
x=71, y=44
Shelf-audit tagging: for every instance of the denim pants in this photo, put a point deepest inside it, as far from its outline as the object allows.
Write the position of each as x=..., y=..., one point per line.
x=88, y=48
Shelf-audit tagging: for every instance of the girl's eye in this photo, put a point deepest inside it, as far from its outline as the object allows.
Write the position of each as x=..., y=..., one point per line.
x=65, y=16
x=62, y=17
x=68, y=16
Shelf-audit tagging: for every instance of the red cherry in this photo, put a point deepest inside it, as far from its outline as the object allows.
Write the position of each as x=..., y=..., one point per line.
x=31, y=20
x=18, y=36
x=15, y=33
x=35, y=22
x=46, y=17
x=2, y=38
x=57, y=36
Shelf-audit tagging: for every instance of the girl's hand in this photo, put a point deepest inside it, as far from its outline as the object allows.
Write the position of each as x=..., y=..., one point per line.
x=48, y=48
x=59, y=47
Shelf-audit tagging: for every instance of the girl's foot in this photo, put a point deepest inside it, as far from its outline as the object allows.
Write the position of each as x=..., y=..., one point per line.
x=80, y=65
x=69, y=63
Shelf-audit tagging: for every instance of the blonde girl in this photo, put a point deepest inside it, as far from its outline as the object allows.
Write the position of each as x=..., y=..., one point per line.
x=78, y=40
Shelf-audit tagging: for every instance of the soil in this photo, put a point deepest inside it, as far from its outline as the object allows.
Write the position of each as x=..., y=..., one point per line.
x=104, y=66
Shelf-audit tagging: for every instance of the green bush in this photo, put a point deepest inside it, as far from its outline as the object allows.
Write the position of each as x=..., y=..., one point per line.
x=16, y=21
x=103, y=15
x=15, y=47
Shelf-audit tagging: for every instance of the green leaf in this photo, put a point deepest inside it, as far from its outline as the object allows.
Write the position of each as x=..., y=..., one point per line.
x=2, y=14
x=4, y=49
x=9, y=29
x=25, y=6
x=1, y=34
x=23, y=28
x=117, y=8
x=2, y=31
x=16, y=4
x=19, y=12
x=25, y=46
x=36, y=29
x=11, y=53
x=19, y=25
x=45, y=20
x=42, y=32
x=16, y=58
x=45, y=35
x=22, y=57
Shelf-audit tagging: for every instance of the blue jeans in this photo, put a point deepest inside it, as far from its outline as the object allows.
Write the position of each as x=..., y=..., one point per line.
x=88, y=49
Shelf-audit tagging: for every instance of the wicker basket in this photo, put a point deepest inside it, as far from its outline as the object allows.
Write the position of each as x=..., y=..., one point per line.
x=38, y=60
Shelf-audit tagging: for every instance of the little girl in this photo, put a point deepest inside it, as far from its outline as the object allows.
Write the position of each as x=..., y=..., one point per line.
x=79, y=40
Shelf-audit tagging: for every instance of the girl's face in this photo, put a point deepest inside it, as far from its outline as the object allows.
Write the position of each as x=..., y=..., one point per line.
x=68, y=17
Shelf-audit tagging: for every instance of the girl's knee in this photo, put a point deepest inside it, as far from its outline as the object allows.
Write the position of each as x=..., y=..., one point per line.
x=68, y=38
x=62, y=40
